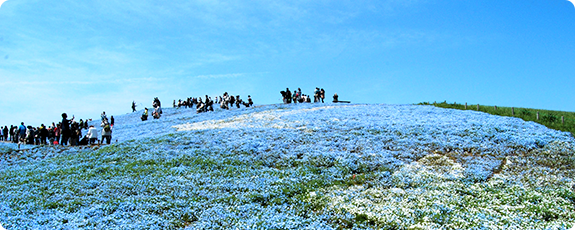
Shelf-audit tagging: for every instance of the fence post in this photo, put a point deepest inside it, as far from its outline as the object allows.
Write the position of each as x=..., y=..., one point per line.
x=477, y=107
x=562, y=120
x=512, y=111
x=537, y=115
x=495, y=107
x=465, y=105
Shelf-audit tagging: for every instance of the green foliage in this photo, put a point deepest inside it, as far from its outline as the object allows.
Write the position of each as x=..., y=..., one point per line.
x=548, y=118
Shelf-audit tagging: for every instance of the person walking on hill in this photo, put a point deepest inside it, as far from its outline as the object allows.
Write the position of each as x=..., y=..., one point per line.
x=66, y=128
x=133, y=106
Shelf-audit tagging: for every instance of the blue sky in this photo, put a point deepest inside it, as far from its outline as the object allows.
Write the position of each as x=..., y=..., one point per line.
x=85, y=57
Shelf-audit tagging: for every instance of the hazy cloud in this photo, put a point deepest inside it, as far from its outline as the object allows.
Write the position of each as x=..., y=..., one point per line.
x=217, y=76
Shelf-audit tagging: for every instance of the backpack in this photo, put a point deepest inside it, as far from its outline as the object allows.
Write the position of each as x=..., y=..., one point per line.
x=107, y=128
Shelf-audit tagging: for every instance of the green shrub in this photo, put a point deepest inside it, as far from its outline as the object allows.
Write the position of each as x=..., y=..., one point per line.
x=549, y=118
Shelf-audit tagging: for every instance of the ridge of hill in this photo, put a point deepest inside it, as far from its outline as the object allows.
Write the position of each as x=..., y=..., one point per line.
x=304, y=166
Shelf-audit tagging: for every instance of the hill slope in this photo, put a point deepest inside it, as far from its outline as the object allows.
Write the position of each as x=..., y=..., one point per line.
x=304, y=166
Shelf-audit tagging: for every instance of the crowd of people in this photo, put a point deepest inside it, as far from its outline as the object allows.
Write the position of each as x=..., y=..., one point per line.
x=69, y=131
x=225, y=101
x=298, y=97
x=66, y=132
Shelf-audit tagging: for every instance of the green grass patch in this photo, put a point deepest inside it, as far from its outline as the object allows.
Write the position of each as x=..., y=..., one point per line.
x=549, y=118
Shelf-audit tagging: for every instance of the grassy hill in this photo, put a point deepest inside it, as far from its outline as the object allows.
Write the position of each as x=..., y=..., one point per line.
x=307, y=166
x=559, y=120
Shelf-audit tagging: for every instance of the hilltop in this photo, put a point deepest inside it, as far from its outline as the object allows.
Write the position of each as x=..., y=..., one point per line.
x=299, y=166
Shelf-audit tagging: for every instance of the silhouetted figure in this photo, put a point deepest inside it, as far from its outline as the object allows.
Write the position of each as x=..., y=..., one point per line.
x=65, y=133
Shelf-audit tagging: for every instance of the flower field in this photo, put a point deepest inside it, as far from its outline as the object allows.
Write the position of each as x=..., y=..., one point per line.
x=304, y=166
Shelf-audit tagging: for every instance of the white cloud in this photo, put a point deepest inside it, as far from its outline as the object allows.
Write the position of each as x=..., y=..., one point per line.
x=2, y=2
x=217, y=76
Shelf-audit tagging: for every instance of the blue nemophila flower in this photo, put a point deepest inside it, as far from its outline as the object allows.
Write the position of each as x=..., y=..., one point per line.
x=299, y=166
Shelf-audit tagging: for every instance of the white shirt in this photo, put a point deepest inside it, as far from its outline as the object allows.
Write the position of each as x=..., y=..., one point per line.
x=92, y=132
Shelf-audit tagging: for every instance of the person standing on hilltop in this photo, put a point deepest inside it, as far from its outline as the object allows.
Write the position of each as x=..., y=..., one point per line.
x=43, y=134
x=51, y=135
x=106, y=132
x=92, y=134
x=65, y=132
x=103, y=115
x=322, y=95
x=145, y=115
x=5, y=131
x=57, y=131
x=157, y=105
x=22, y=133
x=133, y=106
x=12, y=134
x=316, y=95
x=250, y=101
x=30, y=135
x=112, y=121
x=288, y=96
x=74, y=137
